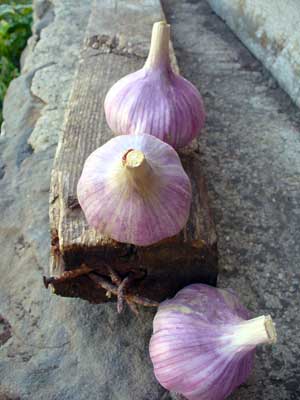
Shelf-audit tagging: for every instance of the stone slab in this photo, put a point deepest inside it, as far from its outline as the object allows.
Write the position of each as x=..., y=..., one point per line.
x=251, y=157
x=271, y=30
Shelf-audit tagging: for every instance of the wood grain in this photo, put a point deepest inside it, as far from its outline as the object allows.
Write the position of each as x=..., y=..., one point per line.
x=117, y=43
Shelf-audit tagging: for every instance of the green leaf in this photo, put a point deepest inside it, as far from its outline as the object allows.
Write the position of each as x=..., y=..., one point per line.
x=6, y=9
x=15, y=29
x=23, y=8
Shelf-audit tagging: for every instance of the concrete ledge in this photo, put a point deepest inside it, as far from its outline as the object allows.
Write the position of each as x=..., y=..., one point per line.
x=270, y=29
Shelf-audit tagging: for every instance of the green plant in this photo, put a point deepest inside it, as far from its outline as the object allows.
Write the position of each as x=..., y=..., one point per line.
x=15, y=29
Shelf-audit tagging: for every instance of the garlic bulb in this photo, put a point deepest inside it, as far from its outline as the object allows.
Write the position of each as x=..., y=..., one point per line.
x=155, y=100
x=203, y=342
x=134, y=190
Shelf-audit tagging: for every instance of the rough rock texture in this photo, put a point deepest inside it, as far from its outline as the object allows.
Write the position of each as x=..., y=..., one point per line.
x=251, y=157
x=270, y=29
x=58, y=348
x=51, y=347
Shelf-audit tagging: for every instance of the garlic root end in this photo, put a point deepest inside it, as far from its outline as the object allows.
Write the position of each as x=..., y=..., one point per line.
x=270, y=329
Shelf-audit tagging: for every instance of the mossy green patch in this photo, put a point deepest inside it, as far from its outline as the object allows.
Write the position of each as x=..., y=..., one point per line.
x=15, y=29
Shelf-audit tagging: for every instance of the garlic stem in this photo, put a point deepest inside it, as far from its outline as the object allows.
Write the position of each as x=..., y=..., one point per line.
x=134, y=159
x=138, y=170
x=254, y=331
x=159, y=48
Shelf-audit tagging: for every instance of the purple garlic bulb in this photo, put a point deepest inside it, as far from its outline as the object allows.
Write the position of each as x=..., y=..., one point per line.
x=203, y=342
x=155, y=100
x=134, y=190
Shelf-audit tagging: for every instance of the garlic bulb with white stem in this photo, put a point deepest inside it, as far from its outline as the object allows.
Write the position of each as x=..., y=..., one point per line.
x=134, y=190
x=203, y=342
x=155, y=100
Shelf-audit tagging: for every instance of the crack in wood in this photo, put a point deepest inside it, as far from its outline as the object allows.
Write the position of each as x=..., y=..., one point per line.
x=6, y=331
x=105, y=44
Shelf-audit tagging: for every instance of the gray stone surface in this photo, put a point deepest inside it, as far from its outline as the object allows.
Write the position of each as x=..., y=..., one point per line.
x=270, y=29
x=251, y=157
x=54, y=348
x=58, y=348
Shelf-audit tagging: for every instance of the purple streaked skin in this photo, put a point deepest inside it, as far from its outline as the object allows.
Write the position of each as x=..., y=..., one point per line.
x=194, y=348
x=123, y=212
x=155, y=100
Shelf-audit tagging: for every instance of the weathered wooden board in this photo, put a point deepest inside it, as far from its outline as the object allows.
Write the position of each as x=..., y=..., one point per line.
x=117, y=43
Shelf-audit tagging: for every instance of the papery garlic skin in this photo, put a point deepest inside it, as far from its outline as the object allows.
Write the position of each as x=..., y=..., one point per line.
x=155, y=100
x=134, y=190
x=203, y=342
